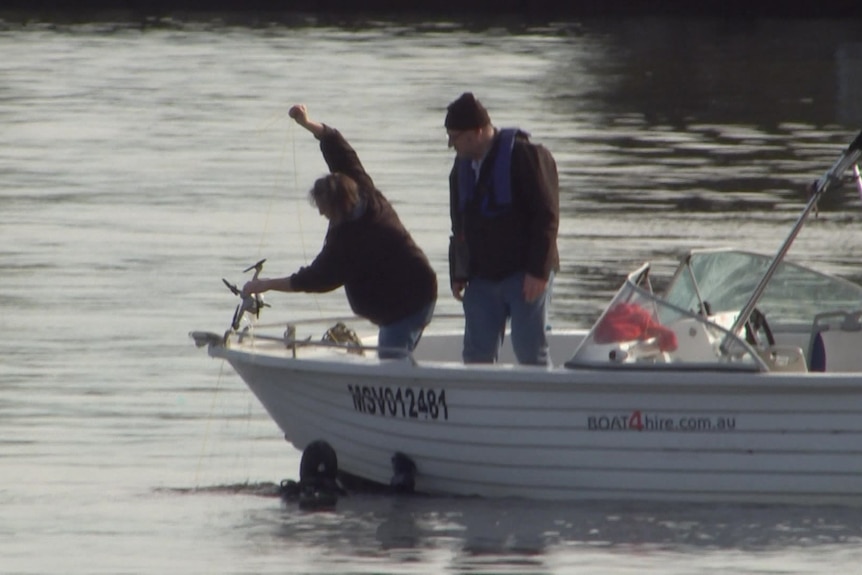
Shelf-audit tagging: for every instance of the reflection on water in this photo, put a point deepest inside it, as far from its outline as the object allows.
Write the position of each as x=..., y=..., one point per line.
x=530, y=535
x=513, y=534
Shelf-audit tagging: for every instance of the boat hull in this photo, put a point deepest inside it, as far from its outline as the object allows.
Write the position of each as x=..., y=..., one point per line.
x=570, y=434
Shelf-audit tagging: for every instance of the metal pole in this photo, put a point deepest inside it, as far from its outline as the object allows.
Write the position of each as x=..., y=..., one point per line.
x=849, y=158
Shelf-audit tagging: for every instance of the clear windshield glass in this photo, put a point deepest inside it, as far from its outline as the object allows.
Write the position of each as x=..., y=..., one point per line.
x=723, y=280
x=638, y=328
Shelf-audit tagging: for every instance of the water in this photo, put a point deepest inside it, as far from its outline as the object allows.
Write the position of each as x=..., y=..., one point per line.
x=141, y=164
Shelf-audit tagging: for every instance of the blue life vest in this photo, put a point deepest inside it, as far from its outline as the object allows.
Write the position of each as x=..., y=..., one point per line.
x=501, y=183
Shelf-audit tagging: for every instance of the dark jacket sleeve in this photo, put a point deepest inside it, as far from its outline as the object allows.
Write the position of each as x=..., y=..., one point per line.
x=536, y=170
x=342, y=158
x=459, y=257
x=326, y=272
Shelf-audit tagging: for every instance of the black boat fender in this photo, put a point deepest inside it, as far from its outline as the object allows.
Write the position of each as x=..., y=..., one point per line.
x=403, y=474
x=317, y=488
x=319, y=463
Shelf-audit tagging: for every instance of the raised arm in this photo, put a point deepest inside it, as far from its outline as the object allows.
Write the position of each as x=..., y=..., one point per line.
x=300, y=114
x=337, y=152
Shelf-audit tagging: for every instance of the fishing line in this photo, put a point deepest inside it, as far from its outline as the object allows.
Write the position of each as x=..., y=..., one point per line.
x=275, y=187
x=209, y=421
x=264, y=232
x=297, y=195
x=291, y=139
x=291, y=129
x=249, y=454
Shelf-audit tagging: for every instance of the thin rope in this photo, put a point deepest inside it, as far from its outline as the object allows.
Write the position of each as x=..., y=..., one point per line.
x=291, y=129
x=209, y=421
x=264, y=232
x=274, y=190
x=297, y=194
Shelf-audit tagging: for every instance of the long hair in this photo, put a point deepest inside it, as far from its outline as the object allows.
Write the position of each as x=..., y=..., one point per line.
x=335, y=195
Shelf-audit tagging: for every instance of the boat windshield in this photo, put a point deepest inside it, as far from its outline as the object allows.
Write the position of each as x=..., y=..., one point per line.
x=640, y=329
x=721, y=281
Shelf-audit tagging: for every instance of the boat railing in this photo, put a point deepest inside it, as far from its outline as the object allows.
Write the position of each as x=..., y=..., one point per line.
x=292, y=343
x=337, y=336
x=343, y=319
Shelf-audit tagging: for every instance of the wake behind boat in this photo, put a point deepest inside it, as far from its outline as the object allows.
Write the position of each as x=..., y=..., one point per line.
x=742, y=381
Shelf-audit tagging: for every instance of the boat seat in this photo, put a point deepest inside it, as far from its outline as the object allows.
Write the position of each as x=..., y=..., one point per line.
x=836, y=342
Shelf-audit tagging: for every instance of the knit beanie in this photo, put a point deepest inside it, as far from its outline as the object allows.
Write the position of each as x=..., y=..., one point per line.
x=466, y=113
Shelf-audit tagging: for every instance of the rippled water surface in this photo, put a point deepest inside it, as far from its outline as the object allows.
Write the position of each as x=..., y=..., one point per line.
x=142, y=164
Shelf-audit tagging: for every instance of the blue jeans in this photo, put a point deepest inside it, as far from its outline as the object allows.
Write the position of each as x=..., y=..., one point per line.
x=487, y=307
x=403, y=334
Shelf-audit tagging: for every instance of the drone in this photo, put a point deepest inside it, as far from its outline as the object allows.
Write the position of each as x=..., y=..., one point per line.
x=249, y=303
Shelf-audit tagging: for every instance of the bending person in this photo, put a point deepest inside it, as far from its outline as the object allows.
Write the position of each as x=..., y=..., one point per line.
x=386, y=276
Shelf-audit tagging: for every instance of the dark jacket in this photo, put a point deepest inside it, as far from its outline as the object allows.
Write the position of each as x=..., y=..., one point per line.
x=384, y=273
x=520, y=237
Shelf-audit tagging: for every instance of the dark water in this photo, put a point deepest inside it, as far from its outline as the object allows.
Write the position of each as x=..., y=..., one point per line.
x=141, y=164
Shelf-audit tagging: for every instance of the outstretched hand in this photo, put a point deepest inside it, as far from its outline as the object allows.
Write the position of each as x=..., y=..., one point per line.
x=299, y=113
x=252, y=287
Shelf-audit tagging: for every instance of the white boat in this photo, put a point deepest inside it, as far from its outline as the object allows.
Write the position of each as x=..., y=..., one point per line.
x=741, y=382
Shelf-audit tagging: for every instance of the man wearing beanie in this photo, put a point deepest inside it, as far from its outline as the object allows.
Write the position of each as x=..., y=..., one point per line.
x=505, y=209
